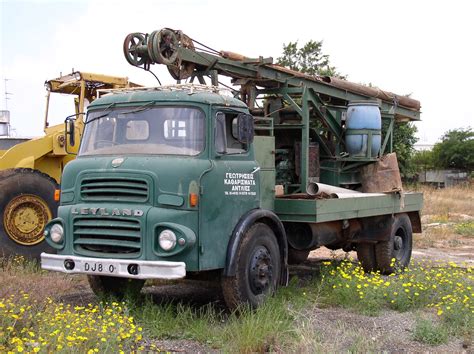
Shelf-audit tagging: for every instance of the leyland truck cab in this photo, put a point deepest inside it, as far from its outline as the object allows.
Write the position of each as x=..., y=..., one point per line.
x=161, y=181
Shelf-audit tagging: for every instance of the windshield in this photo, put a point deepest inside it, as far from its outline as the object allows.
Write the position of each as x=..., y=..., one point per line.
x=144, y=130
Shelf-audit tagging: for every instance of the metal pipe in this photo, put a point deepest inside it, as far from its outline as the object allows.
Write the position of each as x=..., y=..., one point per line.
x=46, y=124
x=314, y=188
x=373, y=92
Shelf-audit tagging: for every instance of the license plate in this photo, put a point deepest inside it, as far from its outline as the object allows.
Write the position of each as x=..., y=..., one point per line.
x=99, y=268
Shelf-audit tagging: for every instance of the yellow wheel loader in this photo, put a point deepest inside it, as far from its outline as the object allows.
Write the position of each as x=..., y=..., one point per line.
x=30, y=172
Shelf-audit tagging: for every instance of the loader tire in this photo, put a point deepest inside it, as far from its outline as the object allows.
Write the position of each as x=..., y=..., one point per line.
x=26, y=205
x=395, y=254
x=258, y=269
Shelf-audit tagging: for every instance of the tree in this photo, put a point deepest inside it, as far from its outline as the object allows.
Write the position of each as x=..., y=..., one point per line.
x=308, y=59
x=456, y=150
x=404, y=140
x=423, y=160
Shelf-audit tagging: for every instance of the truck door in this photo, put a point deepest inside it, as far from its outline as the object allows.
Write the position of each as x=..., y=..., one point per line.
x=229, y=190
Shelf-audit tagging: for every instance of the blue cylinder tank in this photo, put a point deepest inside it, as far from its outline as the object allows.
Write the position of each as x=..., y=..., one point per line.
x=363, y=119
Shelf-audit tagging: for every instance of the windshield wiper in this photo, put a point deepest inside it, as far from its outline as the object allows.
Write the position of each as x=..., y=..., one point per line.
x=138, y=109
x=102, y=115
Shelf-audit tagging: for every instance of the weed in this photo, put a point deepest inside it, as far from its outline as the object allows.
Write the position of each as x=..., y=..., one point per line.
x=18, y=263
x=425, y=285
x=31, y=326
x=426, y=331
x=21, y=275
x=267, y=328
x=465, y=228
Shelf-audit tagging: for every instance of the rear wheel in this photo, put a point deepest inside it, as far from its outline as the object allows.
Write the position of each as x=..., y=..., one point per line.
x=396, y=252
x=26, y=205
x=258, y=268
x=113, y=286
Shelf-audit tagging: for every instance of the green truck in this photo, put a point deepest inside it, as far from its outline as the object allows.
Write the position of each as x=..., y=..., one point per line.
x=185, y=180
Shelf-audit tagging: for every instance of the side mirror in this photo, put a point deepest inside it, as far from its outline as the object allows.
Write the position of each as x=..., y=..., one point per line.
x=70, y=129
x=220, y=134
x=245, y=128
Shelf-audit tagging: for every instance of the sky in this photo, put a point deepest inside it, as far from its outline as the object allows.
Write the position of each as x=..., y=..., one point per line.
x=422, y=48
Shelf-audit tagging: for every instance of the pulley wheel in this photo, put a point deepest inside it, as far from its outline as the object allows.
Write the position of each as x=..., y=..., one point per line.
x=134, y=49
x=163, y=46
x=182, y=69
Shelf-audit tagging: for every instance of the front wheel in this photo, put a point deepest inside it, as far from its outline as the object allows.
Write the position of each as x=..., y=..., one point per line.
x=396, y=252
x=118, y=287
x=258, y=268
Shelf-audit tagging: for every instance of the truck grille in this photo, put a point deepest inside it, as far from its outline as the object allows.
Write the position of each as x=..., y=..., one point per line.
x=107, y=235
x=115, y=189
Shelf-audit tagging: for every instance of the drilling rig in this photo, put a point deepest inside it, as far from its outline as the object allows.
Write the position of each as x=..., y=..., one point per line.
x=187, y=180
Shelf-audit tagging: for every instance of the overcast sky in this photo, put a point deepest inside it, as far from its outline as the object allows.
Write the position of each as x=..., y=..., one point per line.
x=418, y=47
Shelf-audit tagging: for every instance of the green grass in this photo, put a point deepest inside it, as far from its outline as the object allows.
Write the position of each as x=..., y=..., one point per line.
x=19, y=264
x=268, y=328
x=465, y=228
x=426, y=331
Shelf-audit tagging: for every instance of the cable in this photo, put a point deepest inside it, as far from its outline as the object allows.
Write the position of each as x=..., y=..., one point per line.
x=151, y=72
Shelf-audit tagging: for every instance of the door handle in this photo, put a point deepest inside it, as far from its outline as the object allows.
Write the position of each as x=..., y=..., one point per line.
x=256, y=169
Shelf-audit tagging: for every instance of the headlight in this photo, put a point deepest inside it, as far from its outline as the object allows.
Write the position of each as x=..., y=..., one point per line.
x=77, y=76
x=56, y=233
x=47, y=86
x=167, y=240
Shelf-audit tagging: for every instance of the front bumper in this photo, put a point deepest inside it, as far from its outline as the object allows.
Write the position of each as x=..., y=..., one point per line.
x=114, y=267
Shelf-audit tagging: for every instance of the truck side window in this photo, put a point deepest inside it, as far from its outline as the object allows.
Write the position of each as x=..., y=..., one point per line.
x=232, y=145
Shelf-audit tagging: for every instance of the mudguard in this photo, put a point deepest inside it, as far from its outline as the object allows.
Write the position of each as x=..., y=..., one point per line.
x=246, y=221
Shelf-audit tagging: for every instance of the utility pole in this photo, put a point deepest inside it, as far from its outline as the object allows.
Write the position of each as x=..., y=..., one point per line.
x=6, y=94
x=5, y=114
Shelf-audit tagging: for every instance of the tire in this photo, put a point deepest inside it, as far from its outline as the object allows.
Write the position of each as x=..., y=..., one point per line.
x=26, y=205
x=258, y=269
x=398, y=247
x=104, y=286
x=366, y=256
x=297, y=256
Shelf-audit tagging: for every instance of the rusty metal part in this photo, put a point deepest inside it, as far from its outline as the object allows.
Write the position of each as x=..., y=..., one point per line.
x=313, y=160
x=163, y=46
x=132, y=49
x=182, y=70
x=373, y=92
x=24, y=219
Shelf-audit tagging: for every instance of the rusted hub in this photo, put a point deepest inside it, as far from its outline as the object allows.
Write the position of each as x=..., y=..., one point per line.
x=24, y=219
x=260, y=270
x=398, y=243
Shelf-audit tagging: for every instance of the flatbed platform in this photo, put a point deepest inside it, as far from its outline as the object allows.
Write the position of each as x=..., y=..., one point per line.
x=323, y=210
